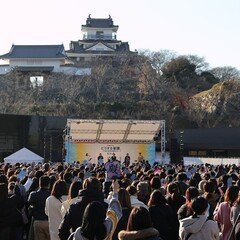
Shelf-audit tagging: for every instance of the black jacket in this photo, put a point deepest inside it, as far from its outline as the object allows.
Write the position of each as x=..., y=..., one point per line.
x=73, y=219
x=10, y=215
x=37, y=200
x=165, y=221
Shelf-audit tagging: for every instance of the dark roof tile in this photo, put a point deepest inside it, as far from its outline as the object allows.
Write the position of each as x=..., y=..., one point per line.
x=99, y=22
x=35, y=51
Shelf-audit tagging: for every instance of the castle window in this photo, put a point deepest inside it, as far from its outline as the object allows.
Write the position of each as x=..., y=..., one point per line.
x=99, y=34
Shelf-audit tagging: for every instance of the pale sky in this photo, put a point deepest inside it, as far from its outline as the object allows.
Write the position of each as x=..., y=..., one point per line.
x=208, y=28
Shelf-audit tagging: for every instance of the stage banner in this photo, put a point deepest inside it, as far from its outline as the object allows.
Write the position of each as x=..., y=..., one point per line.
x=77, y=151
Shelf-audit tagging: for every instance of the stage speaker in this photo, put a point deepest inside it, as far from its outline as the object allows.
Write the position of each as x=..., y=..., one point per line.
x=174, y=151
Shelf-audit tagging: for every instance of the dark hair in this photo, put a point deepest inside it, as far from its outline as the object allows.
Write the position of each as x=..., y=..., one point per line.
x=193, y=182
x=139, y=219
x=191, y=193
x=81, y=175
x=231, y=195
x=173, y=190
x=199, y=205
x=93, y=222
x=157, y=199
x=59, y=189
x=155, y=183
x=124, y=198
x=3, y=192
x=44, y=182
x=132, y=190
x=3, y=179
x=39, y=173
x=209, y=187
x=13, y=179
x=34, y=186
x=67, y=177
x=60, y=168
x=181, y=176
x=52, y=181
x=93, y=184
x=74, y=189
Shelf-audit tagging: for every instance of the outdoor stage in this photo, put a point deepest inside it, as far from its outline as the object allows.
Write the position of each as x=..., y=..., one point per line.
x=113, y=136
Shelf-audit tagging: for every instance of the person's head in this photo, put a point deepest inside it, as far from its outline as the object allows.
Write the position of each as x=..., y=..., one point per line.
x=231, y=195
x=67, y=177
x=191, y=193
x=44, y=182
x=92, y=184
x=139, y=219
x=46, y=167
x=201, y=184
x=59, y=189
x=156, y=199
x=132, y=190
x=3, y=192
x=181, y=177
x=155, y=183
x=93, y=222
x=3, y=179
x=39, y=173
x=209, y=187
x=172, y=188
x=74, y=189
x=124, y=198
x=199, y=205
x=52, y=181
x=143, y=187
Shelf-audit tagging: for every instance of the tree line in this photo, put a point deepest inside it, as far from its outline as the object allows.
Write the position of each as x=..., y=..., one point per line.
x=183, y=90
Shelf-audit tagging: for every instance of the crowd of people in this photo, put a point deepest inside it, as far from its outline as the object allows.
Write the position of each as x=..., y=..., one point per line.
x=114, y=200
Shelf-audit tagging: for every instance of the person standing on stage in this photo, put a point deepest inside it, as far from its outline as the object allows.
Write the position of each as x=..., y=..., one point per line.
x=100, y=159
x=127, y=160
x=113, y=157
x=87, y=160
x=140, y=158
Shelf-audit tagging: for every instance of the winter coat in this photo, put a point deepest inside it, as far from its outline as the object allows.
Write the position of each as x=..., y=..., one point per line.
x=114, y=213
x=149, y=233
x=53, y=211
x=176, y=203
x=73, y=219
x=235, y=211
x=198, y=228
x=165, y=221
x=10, y=216
x=37, y=200
x=222, y=216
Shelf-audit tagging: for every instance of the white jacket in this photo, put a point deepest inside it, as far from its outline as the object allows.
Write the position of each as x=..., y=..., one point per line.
x=200, y=228
x=53, y=211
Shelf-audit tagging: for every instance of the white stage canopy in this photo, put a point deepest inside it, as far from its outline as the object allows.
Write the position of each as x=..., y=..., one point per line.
x=23, y=156
x=119, y=131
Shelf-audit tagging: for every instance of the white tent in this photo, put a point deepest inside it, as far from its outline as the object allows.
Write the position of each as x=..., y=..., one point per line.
x=23, y=156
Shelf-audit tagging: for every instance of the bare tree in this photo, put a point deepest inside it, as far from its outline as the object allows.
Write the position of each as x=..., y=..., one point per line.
x=226, y=73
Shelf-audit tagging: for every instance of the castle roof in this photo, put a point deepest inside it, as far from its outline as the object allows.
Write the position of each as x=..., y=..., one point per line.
x=35, y=51
x=99, y=22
